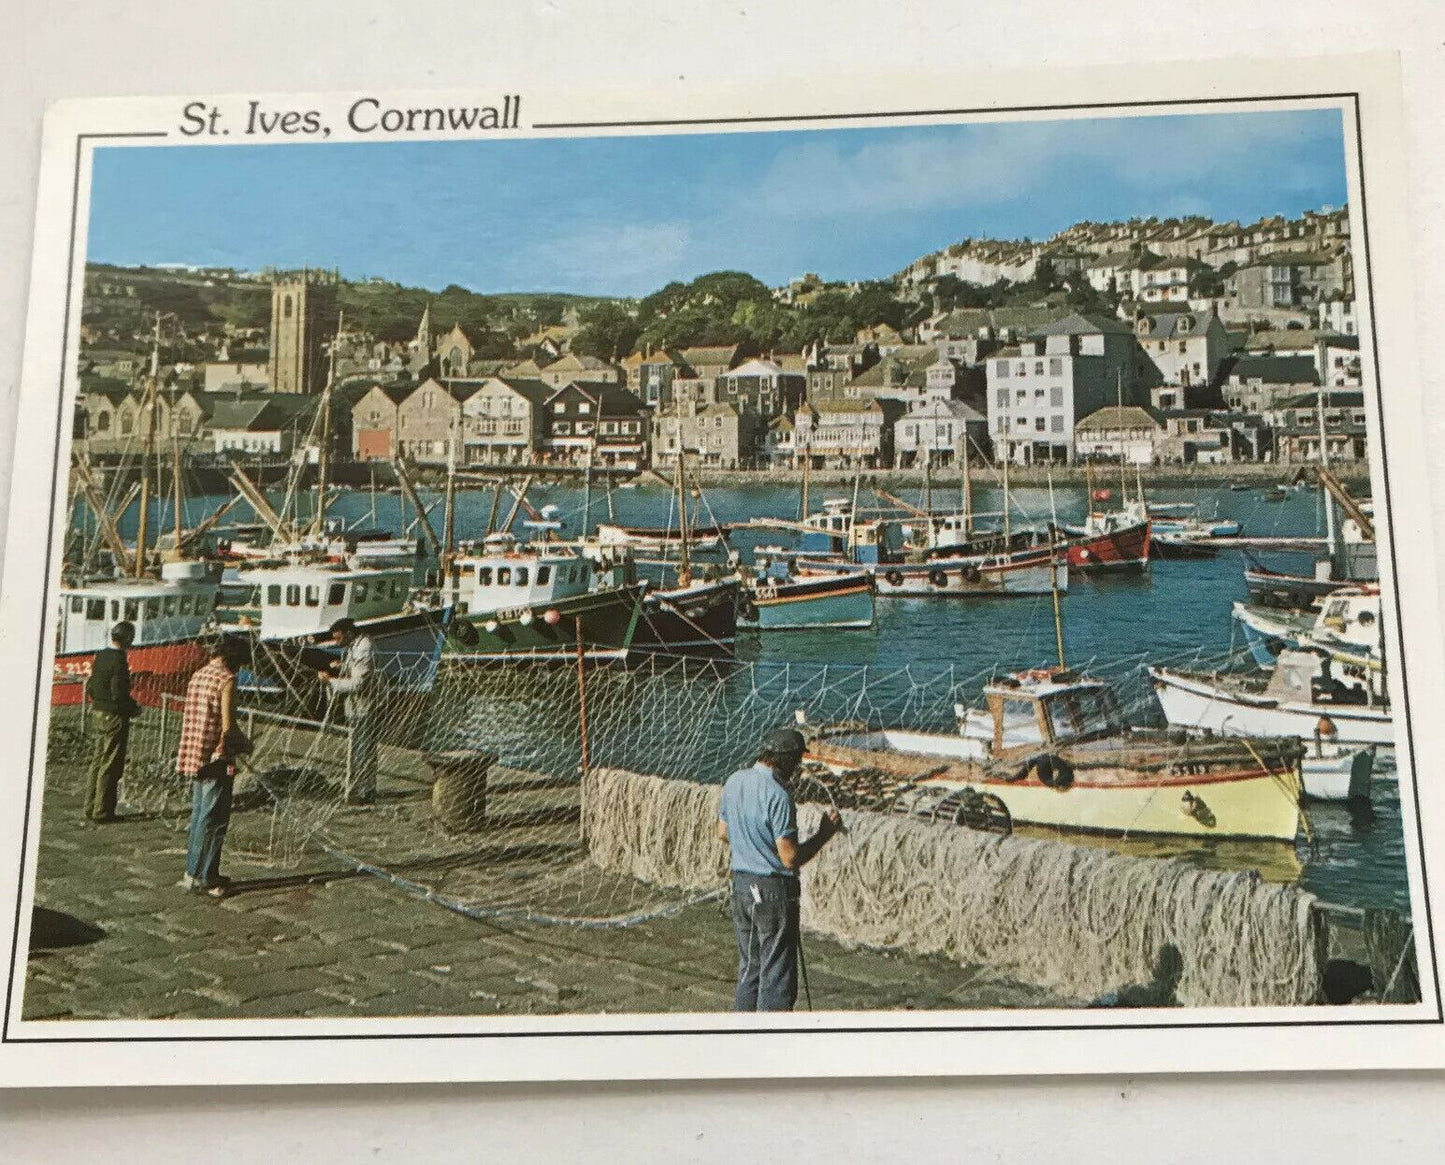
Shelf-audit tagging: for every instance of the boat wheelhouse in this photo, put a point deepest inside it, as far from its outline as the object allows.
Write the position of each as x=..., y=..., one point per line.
x=297, y=605
x=544, y=601
x=1053, y=749
x=1308, y=695
x=169, y=613
x=1346, y=624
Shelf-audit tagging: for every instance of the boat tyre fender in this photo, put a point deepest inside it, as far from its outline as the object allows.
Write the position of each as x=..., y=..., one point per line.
x=1052, y=771
x=938, y=578
x=971, y=573
x=894, y=578
x=464, y=633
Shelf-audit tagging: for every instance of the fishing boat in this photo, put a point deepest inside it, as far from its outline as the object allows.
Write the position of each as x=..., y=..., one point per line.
x=1113, y=540
x=1108, y=540
x=1307, y=694
x=1053, y=749
x=1347, y=624
x=658, y=539
x=777, y=600
x=544, y=602
x=170, y=614
x=1029, y=564
x=1349, y=554
x=297, y=605
x=1181, y=531
x=695, y=616
x=1332, y=771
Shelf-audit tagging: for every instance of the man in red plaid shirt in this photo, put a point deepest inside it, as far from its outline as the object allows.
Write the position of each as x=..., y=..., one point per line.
x=209, y=739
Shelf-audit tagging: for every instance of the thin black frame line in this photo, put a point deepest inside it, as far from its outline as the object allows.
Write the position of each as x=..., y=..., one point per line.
x=1395, y=563
x=50, y=549
x=931, y=1029
x=772, y=119
x=1439, y=1017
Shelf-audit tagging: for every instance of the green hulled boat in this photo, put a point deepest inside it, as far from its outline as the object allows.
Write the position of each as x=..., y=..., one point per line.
x=537, y=602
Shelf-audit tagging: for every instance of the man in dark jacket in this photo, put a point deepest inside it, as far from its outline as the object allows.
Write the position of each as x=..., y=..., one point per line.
x=111, y=711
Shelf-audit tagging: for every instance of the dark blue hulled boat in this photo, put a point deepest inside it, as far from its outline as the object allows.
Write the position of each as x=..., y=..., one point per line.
x=776, y=600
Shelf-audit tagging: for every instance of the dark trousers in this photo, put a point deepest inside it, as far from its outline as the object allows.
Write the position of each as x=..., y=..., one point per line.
x=210, y=818
x=765, y=917
x=112, y=734
x=362, y=745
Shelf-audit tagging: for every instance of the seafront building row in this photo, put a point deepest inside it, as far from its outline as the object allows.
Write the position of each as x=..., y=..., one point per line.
x=1172, y=387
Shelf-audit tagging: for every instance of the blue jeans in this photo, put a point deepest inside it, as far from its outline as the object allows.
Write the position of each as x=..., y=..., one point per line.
x=210, y=817
x=766, y=923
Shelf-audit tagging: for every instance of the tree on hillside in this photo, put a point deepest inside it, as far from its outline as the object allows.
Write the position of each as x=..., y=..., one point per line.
x=608, y=331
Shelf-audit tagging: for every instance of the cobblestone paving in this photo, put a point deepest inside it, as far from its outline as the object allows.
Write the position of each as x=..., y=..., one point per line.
x=114, y=937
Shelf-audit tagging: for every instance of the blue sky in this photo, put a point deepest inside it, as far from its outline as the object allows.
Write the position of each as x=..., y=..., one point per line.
x=624, y=215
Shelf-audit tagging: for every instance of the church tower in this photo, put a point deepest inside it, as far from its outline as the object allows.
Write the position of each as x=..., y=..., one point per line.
x=303, y=321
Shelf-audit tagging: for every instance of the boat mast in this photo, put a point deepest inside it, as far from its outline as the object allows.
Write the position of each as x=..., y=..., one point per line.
x=803, y=501
x=684, y=562
x=143, y=529
x=1007, y=457
x=449, y=512
x=1123, y=477
x=323, y=456
x=1054, y=577
x=1324, y=493
x=966, y=486
x=176, y=480
x=587, y=489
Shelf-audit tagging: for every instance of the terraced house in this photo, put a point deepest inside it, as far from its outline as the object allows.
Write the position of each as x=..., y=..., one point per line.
x=605, y=423
x=504, y=422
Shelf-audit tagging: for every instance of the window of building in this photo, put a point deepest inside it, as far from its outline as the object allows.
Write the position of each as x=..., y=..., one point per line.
x=559, y=408
x=1003, y=398
x=1056, y=423
x=1039, y=424
x=584, y=407
x=1056, y=366
x=562, y=429
x=1056, y=397
x=1003, y=367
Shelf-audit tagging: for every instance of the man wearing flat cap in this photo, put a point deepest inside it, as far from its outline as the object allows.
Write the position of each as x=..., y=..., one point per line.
x=759, y=821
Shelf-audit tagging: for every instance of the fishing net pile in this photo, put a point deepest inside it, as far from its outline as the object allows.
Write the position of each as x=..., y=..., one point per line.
x=1079, y=921
x=545, y=845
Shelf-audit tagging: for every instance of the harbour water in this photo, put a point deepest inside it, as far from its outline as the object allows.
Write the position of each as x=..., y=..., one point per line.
x=1175, y=612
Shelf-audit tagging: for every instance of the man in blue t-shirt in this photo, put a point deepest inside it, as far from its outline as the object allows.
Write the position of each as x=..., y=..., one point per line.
x=758, y=820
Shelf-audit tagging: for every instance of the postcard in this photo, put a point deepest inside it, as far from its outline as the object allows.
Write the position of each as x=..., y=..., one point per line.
x=875, y=576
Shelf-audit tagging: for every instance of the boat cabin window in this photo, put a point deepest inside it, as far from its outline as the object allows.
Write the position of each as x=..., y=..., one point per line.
x=484, y=576
x=114, y=610
x=521, y=576
x=1020, y=722
x=544, y=575
x=313, y=596
x=77, y=605
x=168, y=606
x=359, y=590
x=293, y=595
x=132, y=610
x=1365, y=618
x=95, y=609
x=336, y=595
x=185, y=605
x=1082, y=712
x=504, y=576
x=153, y=608
x=273, y=595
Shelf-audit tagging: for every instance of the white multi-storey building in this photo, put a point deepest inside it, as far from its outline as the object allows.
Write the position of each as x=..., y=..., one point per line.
x=1039, y=390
